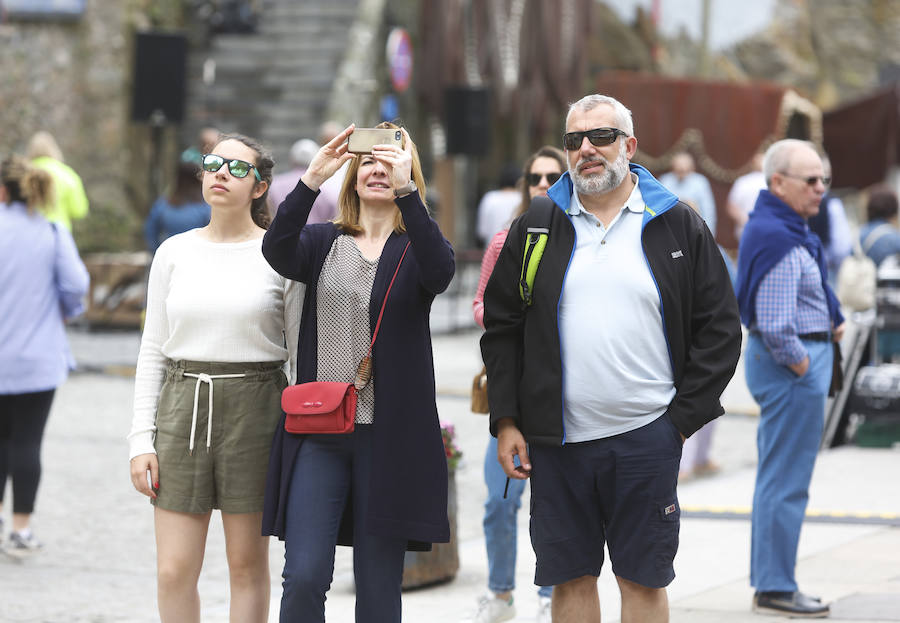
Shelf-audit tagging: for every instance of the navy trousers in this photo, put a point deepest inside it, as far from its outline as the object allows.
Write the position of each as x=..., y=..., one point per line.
x=329, y=469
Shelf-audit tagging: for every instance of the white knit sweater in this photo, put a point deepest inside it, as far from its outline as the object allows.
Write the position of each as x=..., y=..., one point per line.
x=209, y=301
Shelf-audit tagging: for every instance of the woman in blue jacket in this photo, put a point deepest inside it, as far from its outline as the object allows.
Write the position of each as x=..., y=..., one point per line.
x=383, y=487
x=43, y=283
x=184, y=209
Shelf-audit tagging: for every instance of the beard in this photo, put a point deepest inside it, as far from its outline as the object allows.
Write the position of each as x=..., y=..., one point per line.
x=605, y=181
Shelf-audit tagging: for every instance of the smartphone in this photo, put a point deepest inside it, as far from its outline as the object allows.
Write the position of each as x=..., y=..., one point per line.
x=362, y=139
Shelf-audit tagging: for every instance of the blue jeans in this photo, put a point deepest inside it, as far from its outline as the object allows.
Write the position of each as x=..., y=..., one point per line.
x=792, y=418
x=329, y=469
x=500, y=525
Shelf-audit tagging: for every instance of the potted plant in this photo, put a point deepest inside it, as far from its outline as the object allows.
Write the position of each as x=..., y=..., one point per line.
x=442, y=562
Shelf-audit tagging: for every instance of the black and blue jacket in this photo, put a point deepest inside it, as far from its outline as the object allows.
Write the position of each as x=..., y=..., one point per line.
x=522, y=348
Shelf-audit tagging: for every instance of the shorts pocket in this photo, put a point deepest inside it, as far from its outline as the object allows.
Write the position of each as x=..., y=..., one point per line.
x=669, y=511
x=668, y=525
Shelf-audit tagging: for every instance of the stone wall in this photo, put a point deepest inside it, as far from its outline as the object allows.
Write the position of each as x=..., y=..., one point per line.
x=73, y=79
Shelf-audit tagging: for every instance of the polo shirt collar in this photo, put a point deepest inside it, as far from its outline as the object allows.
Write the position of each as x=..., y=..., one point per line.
x=634, y=203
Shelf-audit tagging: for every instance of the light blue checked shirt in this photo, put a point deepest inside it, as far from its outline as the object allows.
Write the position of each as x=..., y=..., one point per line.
x=791, y=301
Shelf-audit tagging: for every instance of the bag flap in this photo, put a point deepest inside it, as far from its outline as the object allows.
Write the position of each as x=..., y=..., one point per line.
x=314, y=398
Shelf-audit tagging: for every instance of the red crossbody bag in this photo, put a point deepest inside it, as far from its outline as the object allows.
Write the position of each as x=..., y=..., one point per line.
x=324, y=407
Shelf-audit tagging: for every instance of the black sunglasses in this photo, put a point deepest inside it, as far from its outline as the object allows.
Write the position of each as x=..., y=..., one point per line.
x=238, y=168
x=598, y=137
x=534, y=179
x=810, y=180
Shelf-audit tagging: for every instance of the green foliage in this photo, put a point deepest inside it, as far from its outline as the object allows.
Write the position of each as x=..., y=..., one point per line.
x=164, y=14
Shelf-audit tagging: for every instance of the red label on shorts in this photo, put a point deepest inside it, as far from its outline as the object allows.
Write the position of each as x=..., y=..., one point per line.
x=669, y=509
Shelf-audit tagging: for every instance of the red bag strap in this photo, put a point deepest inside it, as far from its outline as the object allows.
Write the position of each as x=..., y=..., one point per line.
x=384, y=302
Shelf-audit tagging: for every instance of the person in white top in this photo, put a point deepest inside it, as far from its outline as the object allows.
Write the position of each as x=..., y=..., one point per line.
x=497, y=207
x=743, y=193
x=213, y=360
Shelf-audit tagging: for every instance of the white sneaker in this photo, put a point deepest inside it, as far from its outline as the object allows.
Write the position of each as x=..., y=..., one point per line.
x=493, y=610
x=544, y=614
x=22, y=545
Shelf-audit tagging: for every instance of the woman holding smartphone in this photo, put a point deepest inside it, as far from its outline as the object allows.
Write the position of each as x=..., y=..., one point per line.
x=541, y=171
x=383, y=487
x=208, y=385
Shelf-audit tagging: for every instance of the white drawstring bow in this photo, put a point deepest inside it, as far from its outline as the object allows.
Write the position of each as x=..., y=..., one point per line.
x=205, y=378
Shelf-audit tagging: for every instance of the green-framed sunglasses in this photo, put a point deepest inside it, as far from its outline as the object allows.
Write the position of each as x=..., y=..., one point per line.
x=238, y=168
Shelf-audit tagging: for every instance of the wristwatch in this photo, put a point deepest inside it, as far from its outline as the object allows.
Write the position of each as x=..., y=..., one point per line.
x=409, y=187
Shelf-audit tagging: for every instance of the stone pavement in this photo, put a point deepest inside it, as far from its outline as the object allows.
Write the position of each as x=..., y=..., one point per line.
x=98, y=564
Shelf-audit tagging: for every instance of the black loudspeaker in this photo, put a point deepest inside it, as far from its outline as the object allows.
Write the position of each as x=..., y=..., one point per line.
x=160, y=71
x=467, y=113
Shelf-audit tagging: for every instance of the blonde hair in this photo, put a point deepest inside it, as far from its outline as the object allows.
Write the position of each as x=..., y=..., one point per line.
x=347, y=218
x=25, y=183
x=43, y=145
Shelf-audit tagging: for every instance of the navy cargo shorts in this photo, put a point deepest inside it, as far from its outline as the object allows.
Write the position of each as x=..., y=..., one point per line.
x=618, y=490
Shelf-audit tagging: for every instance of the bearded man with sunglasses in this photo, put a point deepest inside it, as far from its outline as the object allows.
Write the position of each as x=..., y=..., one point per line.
x=793, y=317
x=633, y=307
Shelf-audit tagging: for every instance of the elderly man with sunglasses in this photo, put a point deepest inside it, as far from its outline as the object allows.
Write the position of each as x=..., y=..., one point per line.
x=793, y=317
x=632, y=307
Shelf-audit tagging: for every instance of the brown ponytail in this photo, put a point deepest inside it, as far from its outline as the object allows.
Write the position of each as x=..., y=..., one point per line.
x=37, y=188
x=25, y=183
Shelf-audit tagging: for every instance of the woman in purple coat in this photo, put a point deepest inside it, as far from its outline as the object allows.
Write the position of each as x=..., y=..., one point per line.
x=383, y=487
x=42, y=284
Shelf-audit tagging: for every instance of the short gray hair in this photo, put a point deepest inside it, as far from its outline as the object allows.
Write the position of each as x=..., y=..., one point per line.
x=589, y=102
x=779, y=154
x=303, y=151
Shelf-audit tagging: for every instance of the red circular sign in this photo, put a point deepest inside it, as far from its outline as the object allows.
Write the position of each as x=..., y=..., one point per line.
x=399, y=58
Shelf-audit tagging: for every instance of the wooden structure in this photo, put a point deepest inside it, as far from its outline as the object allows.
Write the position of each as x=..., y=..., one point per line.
x=721, y=124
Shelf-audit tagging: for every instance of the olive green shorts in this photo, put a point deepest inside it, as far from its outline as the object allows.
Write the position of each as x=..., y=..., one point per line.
x=229, y=474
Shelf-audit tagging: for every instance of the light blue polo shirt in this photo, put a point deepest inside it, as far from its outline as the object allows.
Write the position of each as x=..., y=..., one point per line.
x=617, y=371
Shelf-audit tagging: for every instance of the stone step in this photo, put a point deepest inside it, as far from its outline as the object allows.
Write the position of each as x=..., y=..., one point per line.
x=319, y=11
x=276, y=60
x=274, y=84
x=284, y=34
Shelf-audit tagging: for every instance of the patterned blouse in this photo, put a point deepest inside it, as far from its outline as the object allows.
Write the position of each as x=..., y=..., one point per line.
x=342, y=306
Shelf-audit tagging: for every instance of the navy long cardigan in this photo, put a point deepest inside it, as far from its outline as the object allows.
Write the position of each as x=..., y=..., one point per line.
x=408, y=492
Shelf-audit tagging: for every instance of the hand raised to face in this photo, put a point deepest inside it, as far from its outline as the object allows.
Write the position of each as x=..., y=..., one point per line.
x=330, y=157
x=397, y=161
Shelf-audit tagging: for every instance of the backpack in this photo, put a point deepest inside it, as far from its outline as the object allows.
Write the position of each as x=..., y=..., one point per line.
x=857, y=275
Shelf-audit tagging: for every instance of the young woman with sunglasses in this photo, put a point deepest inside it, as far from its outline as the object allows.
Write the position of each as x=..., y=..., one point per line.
x=383, y=487
x=541, y=171
x=212, y=364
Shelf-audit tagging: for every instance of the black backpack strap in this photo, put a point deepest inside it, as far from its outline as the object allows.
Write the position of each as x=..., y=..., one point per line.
x=537, y=233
